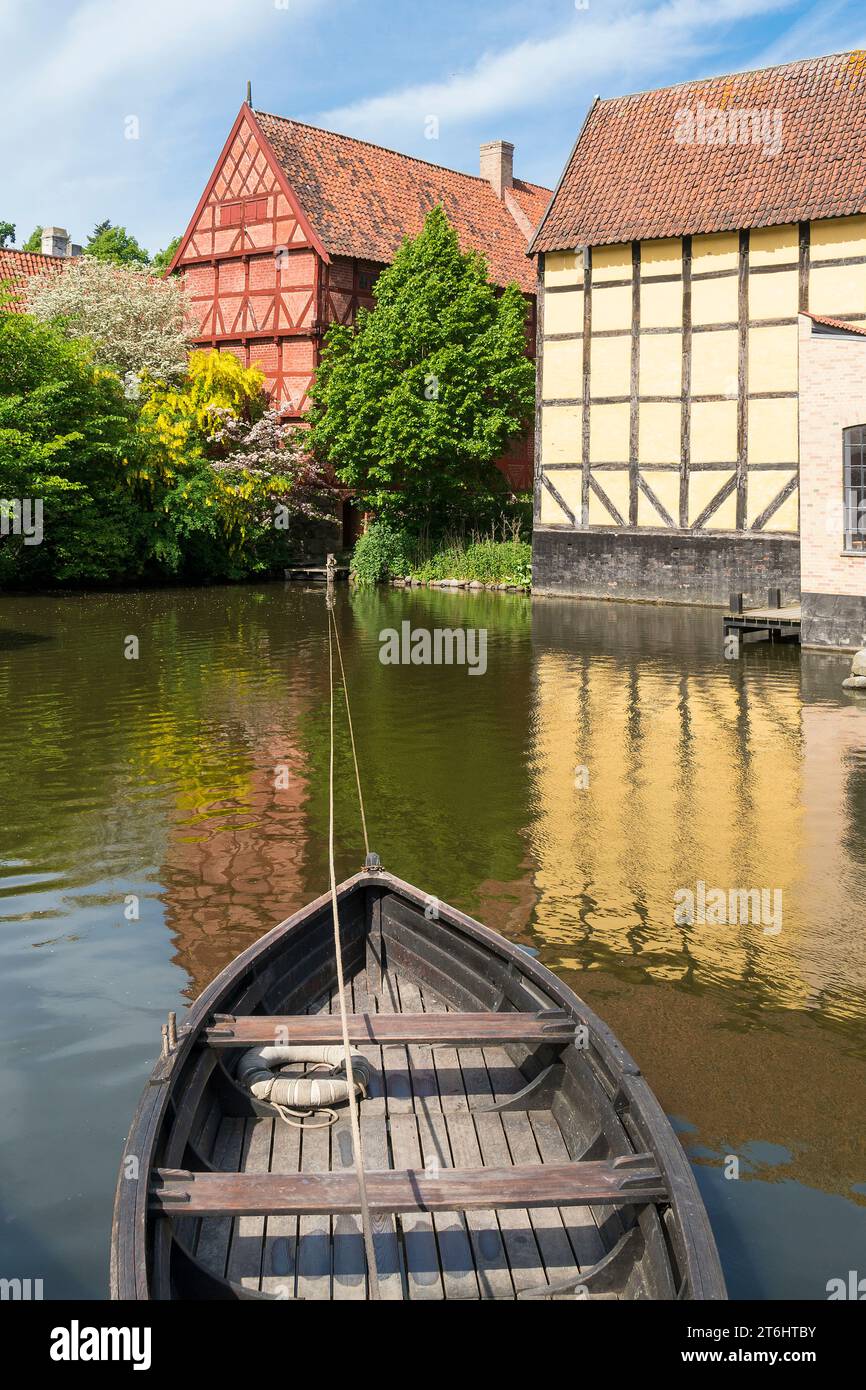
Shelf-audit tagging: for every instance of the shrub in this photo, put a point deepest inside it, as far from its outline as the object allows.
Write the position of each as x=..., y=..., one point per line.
x=382, y=552
x=487, y=561
x=226, y=479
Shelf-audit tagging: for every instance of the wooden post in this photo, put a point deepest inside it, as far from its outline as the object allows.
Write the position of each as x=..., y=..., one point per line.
x=736, y=603
x=774, y=598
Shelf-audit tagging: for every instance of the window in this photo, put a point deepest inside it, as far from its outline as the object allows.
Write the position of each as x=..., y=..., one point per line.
x=234, y=214
x=854, y=454
x=365, y=280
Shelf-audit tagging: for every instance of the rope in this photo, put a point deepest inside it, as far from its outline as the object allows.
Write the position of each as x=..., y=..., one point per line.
x=301, y=1116
x=354, y=1103
x=351, y=731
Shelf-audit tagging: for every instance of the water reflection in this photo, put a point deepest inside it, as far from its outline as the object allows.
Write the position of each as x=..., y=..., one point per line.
x=193, y=781
x=700, y=770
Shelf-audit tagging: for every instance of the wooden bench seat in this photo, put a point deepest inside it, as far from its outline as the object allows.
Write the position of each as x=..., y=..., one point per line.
x=631, y=1179
x=445, y=1029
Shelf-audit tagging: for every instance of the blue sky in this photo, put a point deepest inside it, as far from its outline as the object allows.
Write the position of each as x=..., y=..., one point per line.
x=521, y=70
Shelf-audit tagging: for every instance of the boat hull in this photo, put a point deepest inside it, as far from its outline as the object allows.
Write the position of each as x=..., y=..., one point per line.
x=567, y=1179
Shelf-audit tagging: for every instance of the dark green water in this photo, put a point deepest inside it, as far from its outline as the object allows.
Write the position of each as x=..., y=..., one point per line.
x=156, y=777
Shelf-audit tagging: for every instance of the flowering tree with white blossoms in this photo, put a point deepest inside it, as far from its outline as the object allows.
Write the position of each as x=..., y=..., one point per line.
x=275, y=458
x=135, y=321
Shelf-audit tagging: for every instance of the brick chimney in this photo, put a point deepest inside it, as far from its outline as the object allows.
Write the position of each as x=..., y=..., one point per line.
x=497, y=165
x=56, y=242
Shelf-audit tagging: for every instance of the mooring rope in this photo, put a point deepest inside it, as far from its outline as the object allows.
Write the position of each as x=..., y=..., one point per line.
x=351, y=731
x=354, y=1102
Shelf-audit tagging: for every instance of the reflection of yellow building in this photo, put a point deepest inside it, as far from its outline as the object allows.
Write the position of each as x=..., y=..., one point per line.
x=729, y=775
x=833, y=956
x=689, y=778
x=673, y=270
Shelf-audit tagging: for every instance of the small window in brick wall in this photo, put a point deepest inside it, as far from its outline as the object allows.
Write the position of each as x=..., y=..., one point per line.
x=854, y=457
x=234, y=214
x=365, y=280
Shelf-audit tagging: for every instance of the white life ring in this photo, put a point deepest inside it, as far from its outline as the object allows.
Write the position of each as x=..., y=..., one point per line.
x=301, y=1096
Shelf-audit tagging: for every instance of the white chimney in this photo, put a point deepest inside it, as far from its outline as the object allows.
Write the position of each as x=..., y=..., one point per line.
x=56, y=242
x=497, y=165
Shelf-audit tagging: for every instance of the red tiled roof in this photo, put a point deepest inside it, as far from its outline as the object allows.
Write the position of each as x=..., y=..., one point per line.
x=16, y=268
x=533, y=200
x=629, y=178
x=362, y=200
x=835, y=323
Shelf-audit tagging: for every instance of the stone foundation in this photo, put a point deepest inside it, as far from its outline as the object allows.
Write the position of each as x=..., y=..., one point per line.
x=834, y=620
x=664, y=566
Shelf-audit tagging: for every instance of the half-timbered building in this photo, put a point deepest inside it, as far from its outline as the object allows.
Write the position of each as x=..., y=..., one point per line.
x=703, y=271
x=295, y=224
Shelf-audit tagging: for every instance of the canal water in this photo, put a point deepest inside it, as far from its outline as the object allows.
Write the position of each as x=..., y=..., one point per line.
x=608, y=759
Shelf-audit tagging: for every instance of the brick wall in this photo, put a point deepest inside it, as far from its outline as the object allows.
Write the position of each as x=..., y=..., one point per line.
x=696, y=567
x=832, y=397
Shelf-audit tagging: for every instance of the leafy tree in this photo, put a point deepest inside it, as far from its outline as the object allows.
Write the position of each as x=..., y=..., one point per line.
x=231, y=482
x=163, y=259
x=135, y=321
x=415, y=403
x=33, y=244
x=195, y=478
x=108, y=243
x=185, y=415
x=7, y=233
x=67, y=436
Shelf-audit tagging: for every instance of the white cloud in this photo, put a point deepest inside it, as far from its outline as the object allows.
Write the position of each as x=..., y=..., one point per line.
x=828, y=28
x=608, y=39
x=72, y=74
x=104, y=43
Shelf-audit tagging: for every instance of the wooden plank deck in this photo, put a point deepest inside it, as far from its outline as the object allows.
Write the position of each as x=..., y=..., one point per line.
x=319, y=572
x=422, y=1113
x=772, y=620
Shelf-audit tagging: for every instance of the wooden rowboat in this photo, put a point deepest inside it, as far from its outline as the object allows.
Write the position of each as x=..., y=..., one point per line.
x=512, y=1148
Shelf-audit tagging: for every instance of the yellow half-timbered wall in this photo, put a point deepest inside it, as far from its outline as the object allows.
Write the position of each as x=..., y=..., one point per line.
x=668, y=379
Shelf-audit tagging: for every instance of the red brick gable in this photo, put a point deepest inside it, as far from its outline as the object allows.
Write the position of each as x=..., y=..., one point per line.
x=17, y=267
x=363, y=200
x=630, y=179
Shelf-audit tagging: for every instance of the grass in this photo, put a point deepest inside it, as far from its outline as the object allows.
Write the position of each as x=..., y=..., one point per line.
x=497, y=557
x=487, y=561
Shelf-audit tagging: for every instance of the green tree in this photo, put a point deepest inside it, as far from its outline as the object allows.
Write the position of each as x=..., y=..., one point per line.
x=135, y=321
x=162, y=260
x=108, y=243
x=415, y=403
x=67, y=438
x=230, y=485
x=7, y=233
x=34, y=242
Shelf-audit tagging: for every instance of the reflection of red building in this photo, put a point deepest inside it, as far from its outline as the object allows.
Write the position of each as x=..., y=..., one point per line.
x=235, y=865
x=295, y=223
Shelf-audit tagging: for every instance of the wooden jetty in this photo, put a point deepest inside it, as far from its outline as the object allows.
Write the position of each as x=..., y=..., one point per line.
x=316, y=573
x=775, y=621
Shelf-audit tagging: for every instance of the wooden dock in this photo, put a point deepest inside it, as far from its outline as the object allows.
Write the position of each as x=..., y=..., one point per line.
x=316, y=573
x=774, y=621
